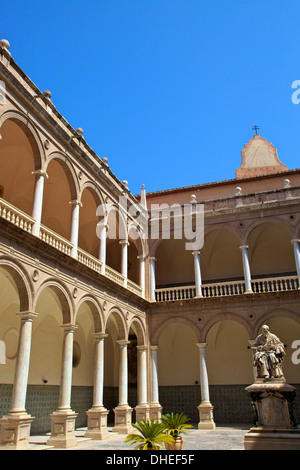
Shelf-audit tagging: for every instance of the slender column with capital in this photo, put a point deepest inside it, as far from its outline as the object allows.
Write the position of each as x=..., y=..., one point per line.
x=123, y=411
x=246, y=268
x=124, y=260
x=142, y=273
x=295, y=244
x=155, y=407
x=142, y=408
x=205, y=408
x=197, y=270
x=152, y=278
x=63, y=420
x=75, y=226
x=38, y=200
x=97, y=415
x=15, y=427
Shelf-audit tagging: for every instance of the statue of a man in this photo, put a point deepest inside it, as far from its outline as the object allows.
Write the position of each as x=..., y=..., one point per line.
x=268, y=356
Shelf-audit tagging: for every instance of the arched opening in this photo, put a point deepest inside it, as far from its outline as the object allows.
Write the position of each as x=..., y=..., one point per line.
x=174, y=265
x=117, y=231
x=19, y=148
x=270, y=251
x=88, y=220
x=59, y=191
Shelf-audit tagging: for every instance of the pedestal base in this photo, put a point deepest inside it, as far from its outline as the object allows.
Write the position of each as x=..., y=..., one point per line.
x=63, y=429
x=206, y=419
x=272, y=439
x=274, y=423
x=97, y=424
x=15, y=431
x=155, y=411
x=123, y=420
x=142, y=412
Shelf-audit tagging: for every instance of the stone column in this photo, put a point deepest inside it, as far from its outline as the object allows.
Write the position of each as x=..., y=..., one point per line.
x=63, y=420
x=123, y=411
x=155, y=407
x=205, y=408
x=38, y=200
x=97, y=415
x=142, y=408
x=142, y=273
x=246, y=268
x=75, y=226
x=197, y=270
x=102, y=231
x=295, y=244
x=124, y=260
x=152, y=278
x=15, y=427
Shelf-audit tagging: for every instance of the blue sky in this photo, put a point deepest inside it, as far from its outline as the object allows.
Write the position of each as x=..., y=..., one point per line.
x=167, y=90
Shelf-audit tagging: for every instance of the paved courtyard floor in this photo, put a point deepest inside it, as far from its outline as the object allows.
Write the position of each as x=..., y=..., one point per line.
x=222, y=438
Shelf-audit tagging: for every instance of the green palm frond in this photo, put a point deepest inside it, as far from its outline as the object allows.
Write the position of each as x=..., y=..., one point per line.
x=151, y=435
x=176, y=423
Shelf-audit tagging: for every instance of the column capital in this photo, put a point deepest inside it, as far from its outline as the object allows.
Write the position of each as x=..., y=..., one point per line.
x=123, y=342
x=141, y=257
x=75, y=202
x=40, y=173
x=244, y=247
x=124, y=242
x=196, y=253
x=152, y=258
x=69, y=327
x=142, y=347
x=201, y=345
x=100, y=335
x=295, y=240
x=154, y=348
x=27, y=316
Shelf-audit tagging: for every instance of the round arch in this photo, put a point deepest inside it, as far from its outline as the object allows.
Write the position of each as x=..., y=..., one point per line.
x=117, y=317
x=139, y=329
x=21, y=280
x=63, y=296
x=182, y=320
x=95, y=310
x=69, y=170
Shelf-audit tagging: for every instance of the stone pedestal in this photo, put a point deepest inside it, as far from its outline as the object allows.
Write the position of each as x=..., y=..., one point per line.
x=142, y=412
x=155, y=411
x=15, y=431
x=63, y=429
x=206, y=419
x=97, y=424
x=274, y=423
x=123, y=420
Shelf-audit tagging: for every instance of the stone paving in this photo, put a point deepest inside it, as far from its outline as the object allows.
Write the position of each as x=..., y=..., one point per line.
x=222, y=438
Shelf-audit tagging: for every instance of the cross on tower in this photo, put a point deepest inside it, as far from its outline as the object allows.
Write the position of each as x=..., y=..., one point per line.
x=255, y=128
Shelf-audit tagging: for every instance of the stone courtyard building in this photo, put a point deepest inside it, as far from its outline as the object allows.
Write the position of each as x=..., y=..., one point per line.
x=102, y=323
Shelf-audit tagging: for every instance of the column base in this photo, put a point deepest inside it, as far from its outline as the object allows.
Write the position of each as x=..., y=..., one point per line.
x=248, y=291
x=63, y=429
x=123, y=419
x=155, y=411
x=142, y=412
x=15, y=431
x=206, y=419
x=97, y=424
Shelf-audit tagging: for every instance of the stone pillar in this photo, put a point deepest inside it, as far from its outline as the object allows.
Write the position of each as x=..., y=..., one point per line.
x=101, y=232
x=197, y=270
x=142, y=408
x=75, y=226
x=142, y=273
x=97, y=415
x=246, y=268
x=63, y=420
x=295, y=244
x=15, y=427
x=124, y=260
x=123, y=411
x=152, y=278
x=38, y=200
x=155, y=407
x=205, y=408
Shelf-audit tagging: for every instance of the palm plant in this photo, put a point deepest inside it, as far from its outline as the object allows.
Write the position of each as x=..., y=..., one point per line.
x=151, y=435
x=175, y=424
